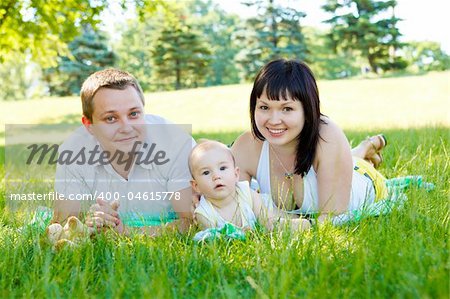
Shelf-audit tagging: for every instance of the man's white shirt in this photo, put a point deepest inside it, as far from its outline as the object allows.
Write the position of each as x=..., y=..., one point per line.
x=149, y=188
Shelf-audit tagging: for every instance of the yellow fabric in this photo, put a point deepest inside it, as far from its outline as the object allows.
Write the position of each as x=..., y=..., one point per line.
x=378, y=180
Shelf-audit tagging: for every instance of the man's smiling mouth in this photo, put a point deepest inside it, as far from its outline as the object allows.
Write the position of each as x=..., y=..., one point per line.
x=127, y=139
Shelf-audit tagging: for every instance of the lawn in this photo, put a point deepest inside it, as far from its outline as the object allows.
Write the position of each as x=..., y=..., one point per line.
x=362, y=104
x=403, y=254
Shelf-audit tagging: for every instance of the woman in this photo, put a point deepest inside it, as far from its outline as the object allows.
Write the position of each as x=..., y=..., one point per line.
x=299, y=156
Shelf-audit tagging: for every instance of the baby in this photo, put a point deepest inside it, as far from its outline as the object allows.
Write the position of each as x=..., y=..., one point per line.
x=225, y=199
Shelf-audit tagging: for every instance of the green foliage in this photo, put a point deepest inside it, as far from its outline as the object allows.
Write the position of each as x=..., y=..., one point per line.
x=326, y=63
x=181, y=57
x=274, y=33
x=190, y=40
x=218, y=30
x=361, y=26
x=181, y=44
x=134, y=50
x=13, y=85
x=148, y=8
x=427, y=56
x=138, y=38
x=20, y=79
x=89, y=53
x=43, y=28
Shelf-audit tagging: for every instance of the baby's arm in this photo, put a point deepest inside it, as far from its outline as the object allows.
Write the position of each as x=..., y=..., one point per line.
x=262, y=213
x=268, y=217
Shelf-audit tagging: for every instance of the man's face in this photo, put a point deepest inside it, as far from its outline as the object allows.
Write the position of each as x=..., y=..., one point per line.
x=117, y=119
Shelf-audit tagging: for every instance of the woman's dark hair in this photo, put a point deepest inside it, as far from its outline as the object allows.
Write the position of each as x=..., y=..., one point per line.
x=282, y=78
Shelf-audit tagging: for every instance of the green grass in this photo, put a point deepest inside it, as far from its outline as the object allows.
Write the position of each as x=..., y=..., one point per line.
x=403, y=254
x=402, y=102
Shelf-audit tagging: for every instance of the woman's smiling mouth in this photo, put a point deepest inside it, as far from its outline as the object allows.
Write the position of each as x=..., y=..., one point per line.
x=276, y=132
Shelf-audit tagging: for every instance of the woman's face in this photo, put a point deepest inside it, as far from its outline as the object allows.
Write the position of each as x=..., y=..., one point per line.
x=280, y=122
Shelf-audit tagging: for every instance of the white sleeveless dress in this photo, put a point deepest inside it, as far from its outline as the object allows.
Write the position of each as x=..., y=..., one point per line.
x=245, y=204
x=362, y=192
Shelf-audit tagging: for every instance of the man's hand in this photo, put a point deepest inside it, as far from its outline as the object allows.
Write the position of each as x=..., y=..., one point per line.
x=103, y=214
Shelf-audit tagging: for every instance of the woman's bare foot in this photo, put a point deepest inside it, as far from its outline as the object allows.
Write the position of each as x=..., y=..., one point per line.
x=370, y=149
x=377, y=144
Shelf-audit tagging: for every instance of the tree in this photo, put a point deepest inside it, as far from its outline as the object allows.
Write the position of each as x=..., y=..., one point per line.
x=326, y=63
x=89, y=53
x=13, y=85
x=427, y=56
x=274, y=33
x=134, y=50
x=180, y=55
x=42, y=29
x=218, y=30
x=360, y=26
x=20, y=79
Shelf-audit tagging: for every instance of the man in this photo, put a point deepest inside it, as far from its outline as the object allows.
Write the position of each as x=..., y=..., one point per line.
x=136, y=167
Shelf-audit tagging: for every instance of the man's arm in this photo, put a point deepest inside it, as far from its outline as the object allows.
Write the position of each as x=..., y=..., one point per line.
x=63, y=209
x=183, y=208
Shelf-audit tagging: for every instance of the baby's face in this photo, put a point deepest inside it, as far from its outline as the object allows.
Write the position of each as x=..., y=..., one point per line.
x=215, y=175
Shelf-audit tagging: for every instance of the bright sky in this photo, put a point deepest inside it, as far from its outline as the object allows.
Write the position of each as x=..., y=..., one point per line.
x=423, y=20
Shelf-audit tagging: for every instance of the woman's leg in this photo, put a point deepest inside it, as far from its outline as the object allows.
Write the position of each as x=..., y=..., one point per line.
x=370, y=149
x=378, y=180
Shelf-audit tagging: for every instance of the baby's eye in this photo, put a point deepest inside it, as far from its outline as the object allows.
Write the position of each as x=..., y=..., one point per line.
x=206, y=172
x=223, y=167
x=263, y=107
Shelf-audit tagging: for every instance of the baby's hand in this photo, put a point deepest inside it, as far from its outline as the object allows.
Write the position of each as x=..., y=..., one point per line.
x=194, y=205
x=300, y=224
x=297, y=224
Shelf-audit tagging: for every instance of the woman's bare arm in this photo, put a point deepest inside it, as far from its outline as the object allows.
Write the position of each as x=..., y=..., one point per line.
x=246, y=150
x=333, y=165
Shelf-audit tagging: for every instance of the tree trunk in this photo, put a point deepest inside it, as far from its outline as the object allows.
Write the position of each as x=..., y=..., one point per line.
x=372, y=63
x=274, y=28
x=178, y=75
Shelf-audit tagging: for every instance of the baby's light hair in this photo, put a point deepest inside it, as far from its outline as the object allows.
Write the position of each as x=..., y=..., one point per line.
x=204, y=145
